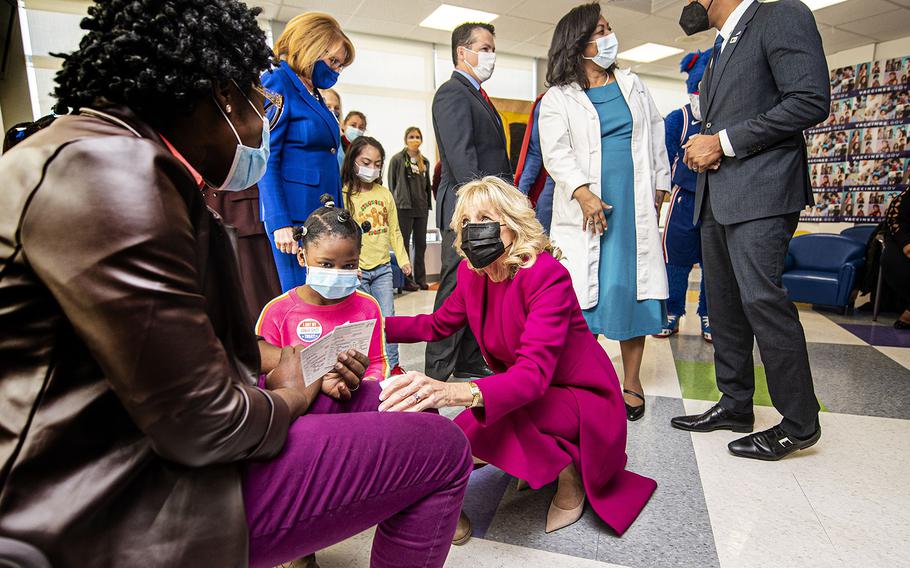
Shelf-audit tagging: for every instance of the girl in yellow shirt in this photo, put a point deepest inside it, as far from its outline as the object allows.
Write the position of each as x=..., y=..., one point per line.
x=368, y=200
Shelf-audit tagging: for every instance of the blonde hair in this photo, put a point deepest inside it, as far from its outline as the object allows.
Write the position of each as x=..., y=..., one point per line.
x=308, y=38
x=514, y=209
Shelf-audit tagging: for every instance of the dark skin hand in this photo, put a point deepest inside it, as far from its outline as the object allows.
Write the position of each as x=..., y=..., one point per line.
x=338, y=383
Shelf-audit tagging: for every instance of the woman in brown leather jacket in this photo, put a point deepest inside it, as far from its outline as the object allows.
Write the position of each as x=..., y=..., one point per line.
x=128, y=397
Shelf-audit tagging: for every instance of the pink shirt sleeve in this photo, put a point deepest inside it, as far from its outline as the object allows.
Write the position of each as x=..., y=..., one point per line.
x=268, y=327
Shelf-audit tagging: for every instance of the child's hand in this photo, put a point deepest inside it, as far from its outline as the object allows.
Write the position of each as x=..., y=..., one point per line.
x=346, y=376
x=406, y=269
x=334, y=386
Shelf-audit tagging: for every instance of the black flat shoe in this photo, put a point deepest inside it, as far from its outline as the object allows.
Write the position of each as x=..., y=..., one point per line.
x=901, y=324
x=771, y=445
x=472, y=373
x=634, y=413
x=715, y=418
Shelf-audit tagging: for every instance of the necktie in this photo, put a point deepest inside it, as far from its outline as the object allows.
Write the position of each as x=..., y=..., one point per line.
x=487, y=98
x=718, y=45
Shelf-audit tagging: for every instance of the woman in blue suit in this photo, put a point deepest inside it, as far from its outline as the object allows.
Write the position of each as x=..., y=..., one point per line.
x=303, y=163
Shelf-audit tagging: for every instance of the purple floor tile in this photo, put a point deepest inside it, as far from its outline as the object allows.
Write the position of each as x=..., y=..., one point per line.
x=485, y=490
x=879, y=335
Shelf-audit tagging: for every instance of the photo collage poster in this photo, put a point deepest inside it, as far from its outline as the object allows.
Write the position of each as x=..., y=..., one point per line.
x=859, y=158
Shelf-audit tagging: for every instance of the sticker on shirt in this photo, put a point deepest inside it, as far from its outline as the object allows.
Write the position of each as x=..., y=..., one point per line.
x=309, y=330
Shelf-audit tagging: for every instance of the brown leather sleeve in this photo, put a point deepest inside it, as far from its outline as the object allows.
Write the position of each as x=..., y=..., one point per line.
x=110, y=235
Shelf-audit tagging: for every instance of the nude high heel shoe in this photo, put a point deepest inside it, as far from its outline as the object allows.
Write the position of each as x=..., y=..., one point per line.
x=559, y=518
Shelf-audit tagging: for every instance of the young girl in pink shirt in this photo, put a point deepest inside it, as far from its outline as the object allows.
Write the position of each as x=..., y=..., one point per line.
x=329, y=248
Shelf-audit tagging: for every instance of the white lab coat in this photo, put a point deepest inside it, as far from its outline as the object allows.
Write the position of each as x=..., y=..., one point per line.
x=570, y=144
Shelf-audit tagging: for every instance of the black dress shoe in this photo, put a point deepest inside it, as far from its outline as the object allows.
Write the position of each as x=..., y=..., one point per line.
x=634, y=413
x=901, y=324
x=473, y=373
x=771, y=445
x=715, y=418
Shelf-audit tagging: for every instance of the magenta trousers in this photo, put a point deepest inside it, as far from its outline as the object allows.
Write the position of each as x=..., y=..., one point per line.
x=346, y=467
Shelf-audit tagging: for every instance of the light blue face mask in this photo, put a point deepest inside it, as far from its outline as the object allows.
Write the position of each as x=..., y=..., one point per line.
x=607, y=48
x=352, y=133
x=249, y=163
x=332, y=283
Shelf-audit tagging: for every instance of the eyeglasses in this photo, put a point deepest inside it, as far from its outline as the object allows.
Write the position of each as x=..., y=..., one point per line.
x=335, y=63
x=274, y=103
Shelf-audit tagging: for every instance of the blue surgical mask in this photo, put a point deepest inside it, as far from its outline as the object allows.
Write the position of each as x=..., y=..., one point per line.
x=324, y=77
x=607, y=48
x=332, y=283
x=249, y=163
x=352, y=133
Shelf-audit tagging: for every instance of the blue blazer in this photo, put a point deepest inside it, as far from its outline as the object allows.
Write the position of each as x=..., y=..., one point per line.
x=303, y=162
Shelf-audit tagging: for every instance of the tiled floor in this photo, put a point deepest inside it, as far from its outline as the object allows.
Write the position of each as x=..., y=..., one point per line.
x=844, y=503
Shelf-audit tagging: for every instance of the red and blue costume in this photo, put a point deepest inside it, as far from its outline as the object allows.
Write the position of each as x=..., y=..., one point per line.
x=682, y=237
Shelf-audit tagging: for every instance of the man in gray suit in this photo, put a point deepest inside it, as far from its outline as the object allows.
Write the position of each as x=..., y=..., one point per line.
x=767, y=82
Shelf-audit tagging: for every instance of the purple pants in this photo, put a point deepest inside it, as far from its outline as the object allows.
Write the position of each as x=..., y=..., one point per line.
x=346, y=467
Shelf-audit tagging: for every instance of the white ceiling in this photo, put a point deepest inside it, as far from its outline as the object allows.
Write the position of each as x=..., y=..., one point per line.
x=524, y=27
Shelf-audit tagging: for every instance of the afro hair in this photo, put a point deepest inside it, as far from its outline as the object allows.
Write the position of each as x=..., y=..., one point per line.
x=161, y=57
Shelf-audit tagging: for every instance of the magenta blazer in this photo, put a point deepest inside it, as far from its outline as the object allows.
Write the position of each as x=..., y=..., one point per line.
x=533, y=335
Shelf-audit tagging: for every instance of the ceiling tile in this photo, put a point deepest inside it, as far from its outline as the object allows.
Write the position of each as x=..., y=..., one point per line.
x=836, y=39
x=269, y=9
x=330, y=6
x=496, y=6
x=549, y=11
x=433, y=36
x=882, y=27
x=410, y=12
x=852, y=10
x=372, y=26
x=518, y=30
x=544, y=39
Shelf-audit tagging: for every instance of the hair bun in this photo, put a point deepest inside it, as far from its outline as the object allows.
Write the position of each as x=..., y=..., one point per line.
x=327, y=200
x=366, y=226
x=299, y=232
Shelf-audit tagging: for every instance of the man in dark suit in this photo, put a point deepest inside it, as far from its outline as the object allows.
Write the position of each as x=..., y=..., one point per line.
x=472, y=144
x=767, y=82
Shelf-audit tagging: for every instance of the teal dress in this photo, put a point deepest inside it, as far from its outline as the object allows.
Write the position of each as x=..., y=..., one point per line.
x=618, y=314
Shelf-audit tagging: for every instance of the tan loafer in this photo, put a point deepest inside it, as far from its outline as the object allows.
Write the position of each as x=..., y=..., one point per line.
x=462, y=531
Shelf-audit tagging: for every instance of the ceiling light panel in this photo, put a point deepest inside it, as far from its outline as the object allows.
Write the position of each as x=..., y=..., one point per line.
x=448, y=17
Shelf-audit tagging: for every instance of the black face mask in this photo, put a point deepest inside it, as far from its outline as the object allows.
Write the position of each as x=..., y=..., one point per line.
x=694, y=18
x=481, y=243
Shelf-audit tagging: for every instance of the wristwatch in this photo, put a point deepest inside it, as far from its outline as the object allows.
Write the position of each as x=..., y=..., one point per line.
x=475, y=395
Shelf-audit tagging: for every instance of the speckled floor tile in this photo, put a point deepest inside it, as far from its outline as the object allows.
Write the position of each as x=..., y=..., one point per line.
x=854, y=379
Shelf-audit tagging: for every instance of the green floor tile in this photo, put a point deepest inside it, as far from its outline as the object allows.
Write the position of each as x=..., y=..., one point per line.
x=697, y=382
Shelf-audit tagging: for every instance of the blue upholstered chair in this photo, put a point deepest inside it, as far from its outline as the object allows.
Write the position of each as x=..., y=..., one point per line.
x=860, y=233
x=821, y=268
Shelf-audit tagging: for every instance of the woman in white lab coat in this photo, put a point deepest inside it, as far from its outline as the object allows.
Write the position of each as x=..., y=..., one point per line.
x=602, y=140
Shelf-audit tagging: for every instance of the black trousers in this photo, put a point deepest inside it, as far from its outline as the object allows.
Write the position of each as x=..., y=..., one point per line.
x=743, y=265
x=896, y=272
x=415, y=221
x=460, y=351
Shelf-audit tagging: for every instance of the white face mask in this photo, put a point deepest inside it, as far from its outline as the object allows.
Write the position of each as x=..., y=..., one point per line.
x=607, y=48
x=696, y=106
x=486, y=62
x=367, y=174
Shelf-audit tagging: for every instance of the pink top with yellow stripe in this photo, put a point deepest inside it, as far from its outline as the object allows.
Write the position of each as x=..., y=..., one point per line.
x=288, y=321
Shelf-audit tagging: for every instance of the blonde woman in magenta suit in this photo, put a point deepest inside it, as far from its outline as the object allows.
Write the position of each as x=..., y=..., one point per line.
x=554, y=408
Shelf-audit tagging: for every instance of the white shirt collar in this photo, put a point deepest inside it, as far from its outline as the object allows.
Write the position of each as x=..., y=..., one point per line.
x=733, y=20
